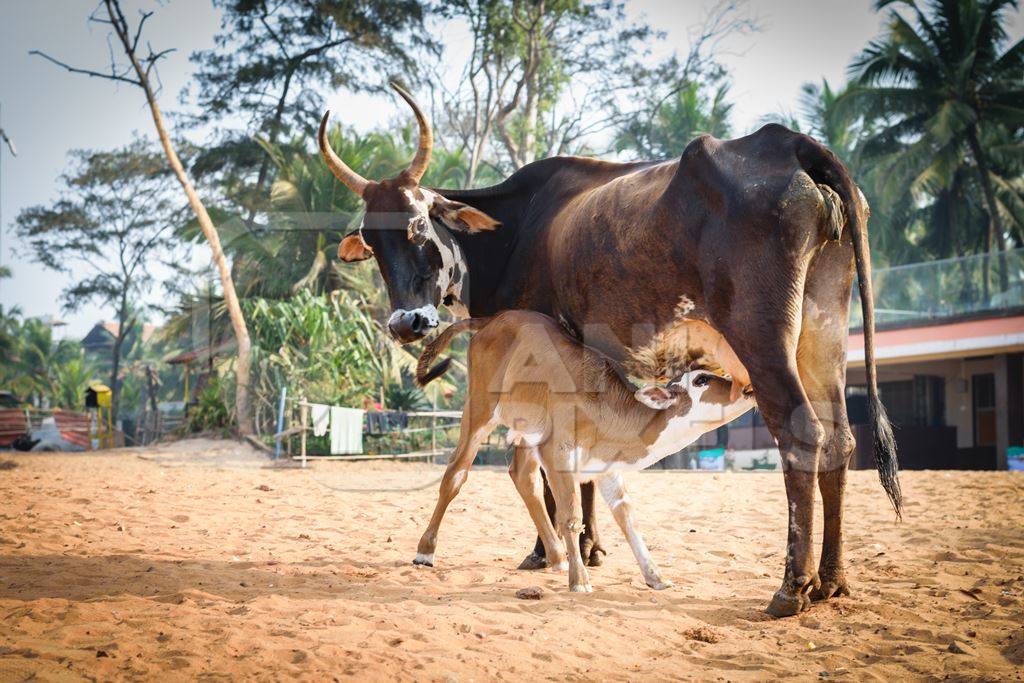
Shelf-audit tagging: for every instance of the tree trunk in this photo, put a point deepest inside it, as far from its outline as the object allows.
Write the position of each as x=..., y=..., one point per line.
x=243, y=410
x=115, y=361
x=528, y=148
x=995, y=221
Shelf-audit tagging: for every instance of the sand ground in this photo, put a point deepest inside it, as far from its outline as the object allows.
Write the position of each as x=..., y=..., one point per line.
x=195, y=561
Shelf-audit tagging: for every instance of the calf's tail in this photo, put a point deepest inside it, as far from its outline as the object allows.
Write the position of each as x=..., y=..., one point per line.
x=426, y=374
x=824, y=167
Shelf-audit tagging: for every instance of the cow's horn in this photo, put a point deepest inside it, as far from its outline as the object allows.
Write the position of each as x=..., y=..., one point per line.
x=339, y=168
x=422, y=159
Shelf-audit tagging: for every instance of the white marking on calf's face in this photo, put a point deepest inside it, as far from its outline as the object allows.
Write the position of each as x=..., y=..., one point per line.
x=680, y=430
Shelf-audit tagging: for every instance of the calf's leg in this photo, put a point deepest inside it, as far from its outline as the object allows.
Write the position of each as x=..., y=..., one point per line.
x=613, y=489
x=568, y=514
x=470, y=438
x=525, y=473
x=590, y=544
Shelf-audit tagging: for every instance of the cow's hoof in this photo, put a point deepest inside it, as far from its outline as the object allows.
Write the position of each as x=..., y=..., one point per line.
x=581, y=588
x=787, y=604
x=533, y=561
x=424, y=560
x=594, y=555
x=661, y=585
x=831, y=587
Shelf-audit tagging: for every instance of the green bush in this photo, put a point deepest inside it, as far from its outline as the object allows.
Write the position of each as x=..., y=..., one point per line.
x=210, y=412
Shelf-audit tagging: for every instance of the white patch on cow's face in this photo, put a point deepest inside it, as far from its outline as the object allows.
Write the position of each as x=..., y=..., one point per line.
x=429, y=312
x=453, y=271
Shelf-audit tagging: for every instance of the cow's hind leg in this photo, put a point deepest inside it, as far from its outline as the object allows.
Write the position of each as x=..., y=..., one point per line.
x=525, y=473
x=470, y=438
x=613, y=489
x=822, y=341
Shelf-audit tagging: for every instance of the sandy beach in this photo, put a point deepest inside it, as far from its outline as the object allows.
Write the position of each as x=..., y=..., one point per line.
x=195, y=560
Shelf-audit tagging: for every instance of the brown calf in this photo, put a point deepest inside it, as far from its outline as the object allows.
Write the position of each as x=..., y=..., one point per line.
x=571, y=414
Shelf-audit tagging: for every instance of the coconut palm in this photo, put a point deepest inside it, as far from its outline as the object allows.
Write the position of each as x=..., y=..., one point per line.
x=937, y=85
x=674, y=122
x=39, y=368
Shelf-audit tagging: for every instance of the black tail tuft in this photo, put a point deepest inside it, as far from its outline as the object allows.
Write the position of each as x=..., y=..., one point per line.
x=885, y=455
x=434, y=372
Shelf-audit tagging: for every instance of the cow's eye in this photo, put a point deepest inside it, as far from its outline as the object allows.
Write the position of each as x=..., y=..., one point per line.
x=701, y=380
x=418, y=231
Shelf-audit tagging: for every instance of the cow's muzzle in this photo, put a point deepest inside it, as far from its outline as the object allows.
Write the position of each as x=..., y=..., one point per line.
x=410, y=326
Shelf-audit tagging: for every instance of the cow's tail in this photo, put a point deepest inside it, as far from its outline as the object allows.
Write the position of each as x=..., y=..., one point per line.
x=824, y=167
x=425, y=374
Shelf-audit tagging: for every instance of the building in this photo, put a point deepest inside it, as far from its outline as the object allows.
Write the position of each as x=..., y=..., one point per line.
x=950, y=358
x=100, y=339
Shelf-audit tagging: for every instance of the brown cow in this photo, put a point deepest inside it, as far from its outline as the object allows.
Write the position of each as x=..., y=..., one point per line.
x=740, y=256
x=570, y=412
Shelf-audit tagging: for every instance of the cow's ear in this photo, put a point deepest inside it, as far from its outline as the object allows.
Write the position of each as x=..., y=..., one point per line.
x=353, y=248
x=461, y=217
x=657, y=397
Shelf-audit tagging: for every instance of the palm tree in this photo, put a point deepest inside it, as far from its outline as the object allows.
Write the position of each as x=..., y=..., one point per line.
x=675, y=121
x=936, y=90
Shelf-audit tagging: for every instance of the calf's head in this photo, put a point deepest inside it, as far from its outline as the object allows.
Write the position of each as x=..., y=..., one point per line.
x=408, y=229
x=701, y=389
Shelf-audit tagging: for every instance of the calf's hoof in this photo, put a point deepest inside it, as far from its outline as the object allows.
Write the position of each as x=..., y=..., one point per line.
x=660, y=585
x=533, y=561
x=424, y=559
x=581, y=588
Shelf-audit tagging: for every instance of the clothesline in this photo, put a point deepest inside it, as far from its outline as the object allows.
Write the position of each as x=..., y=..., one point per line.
x=345, y=426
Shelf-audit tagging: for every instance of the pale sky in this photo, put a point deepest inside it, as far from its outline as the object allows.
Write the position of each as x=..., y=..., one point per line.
x=48, y=112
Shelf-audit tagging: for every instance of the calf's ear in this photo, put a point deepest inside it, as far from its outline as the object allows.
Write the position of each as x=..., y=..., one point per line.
x=656, y=397
x=353, y=248
x=461, y=217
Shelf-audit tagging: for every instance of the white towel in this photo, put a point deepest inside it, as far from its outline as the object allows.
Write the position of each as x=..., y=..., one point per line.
x=319, y=414
x=346, y=430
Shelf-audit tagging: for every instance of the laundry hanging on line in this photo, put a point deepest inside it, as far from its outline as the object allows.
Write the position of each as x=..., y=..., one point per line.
x=320, y=416
x=346, y=430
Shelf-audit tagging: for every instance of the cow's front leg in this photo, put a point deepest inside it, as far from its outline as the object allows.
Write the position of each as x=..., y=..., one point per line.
x=590, y=545
x=801, y=439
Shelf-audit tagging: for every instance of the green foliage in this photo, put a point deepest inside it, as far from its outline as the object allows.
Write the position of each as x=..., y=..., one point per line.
x=672, y=123
x=405, y=395
x=325, y=348
x=268, y=64
x=210, y=412
x=39, y=369
x=113, y=220
x=941, y=96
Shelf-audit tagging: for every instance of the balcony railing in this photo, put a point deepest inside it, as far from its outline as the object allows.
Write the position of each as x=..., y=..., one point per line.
x=951, y=288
